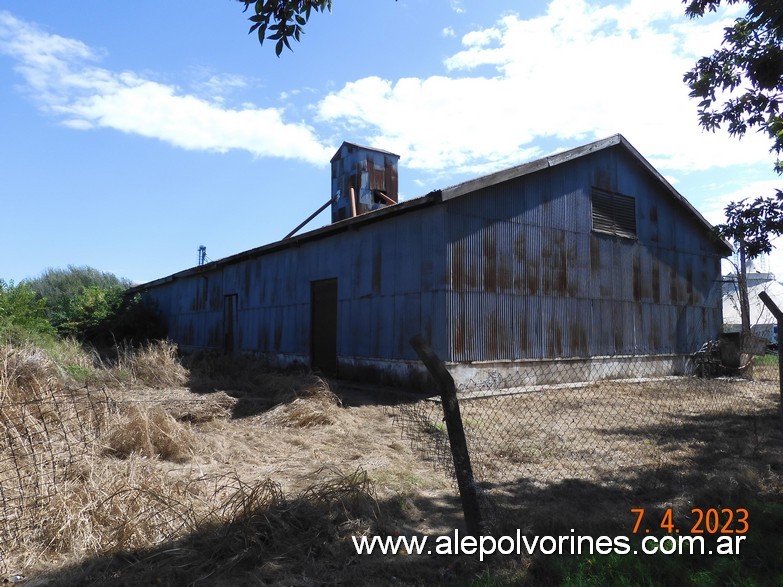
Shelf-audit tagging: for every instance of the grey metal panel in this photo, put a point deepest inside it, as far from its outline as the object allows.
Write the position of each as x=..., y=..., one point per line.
x=435, y=231
x=555, y=334
x=532, y=266
x=460, y=337
x=601, y=266
x=526, y=203
x=408, y=312
x=347, y=327
x=375, y=331
x=580, y=269
x=407, y=253
x=503, y=323
x=622, y=266
x=504, y=252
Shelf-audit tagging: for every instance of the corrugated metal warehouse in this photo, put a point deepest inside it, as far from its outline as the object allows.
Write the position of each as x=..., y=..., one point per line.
x=579, y=256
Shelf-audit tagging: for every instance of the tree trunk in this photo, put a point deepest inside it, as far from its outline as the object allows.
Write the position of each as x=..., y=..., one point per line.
x=742, y=287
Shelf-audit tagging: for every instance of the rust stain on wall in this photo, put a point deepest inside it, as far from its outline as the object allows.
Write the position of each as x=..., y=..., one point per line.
x=491, y=335
x=673, y=289
x=531, y=275
x=654, y=223
x=490, y=262
x=655, y=334
x=457, y=264
x=656, y=281
x=578, y=339
x=505, y=273
x=555, y=340
x=459, y=334
x=519, y=261
x=637, y=276
x=522, y=333
x=595, y=254
x=554, y=256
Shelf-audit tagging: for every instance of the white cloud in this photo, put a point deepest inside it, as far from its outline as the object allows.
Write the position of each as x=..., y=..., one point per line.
x=61, y=75
x=578, y=72
x=448, y=32
x=713, y=207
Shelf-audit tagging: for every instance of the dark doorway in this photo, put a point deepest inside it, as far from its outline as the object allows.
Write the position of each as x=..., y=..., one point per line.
x=230, y=303
x=323, y=325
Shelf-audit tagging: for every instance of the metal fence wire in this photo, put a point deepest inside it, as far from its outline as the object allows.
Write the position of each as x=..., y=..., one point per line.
x=599, y=421
x=42, y=437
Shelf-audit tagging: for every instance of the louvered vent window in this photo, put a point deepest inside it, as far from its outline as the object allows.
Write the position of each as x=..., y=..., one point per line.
x=614, y=213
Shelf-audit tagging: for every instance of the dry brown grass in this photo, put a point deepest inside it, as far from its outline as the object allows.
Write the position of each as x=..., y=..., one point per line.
x=24, y=371
x=155, y=365
x=219, y=527
x=150, y=431
x=316, y=405
x=168, y=478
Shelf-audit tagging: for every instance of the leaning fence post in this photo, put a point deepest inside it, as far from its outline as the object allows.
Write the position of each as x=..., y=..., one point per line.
x=778, y=314
x=459, y=446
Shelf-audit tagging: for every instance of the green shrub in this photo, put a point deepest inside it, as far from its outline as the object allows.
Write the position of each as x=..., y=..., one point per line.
x=23, y=315
x=92, y=306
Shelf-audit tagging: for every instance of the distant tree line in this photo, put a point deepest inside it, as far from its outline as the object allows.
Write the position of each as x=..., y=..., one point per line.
x=84, y=303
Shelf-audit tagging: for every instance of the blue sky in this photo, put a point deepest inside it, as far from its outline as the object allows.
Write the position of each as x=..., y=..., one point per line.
x=130, y=137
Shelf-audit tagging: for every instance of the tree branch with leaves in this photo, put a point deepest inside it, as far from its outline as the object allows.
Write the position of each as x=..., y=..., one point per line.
x=740, y=88
x=283, y=20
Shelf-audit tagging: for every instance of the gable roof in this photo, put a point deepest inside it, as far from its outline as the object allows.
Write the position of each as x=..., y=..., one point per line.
x=473, y=185
x=361, y=147
x=443, y=195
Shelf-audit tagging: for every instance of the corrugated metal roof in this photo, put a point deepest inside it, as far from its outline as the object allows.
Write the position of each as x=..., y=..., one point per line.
x=473, y=185
x=439, y=196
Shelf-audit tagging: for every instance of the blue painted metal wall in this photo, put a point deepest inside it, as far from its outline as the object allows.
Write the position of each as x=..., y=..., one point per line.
x=531, y=280
x=512, y=271
x=392, y=284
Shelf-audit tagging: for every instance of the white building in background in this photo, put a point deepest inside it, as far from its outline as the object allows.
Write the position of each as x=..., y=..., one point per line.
x=762, y=322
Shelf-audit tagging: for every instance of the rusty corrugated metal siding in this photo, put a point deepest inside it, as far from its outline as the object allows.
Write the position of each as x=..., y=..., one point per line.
x=505, y=270
x=363, y=170
x=583, y=293
x=391, y=286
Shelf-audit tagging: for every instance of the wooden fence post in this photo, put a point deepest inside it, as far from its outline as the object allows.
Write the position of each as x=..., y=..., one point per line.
x=778, y=314
x=459, y=447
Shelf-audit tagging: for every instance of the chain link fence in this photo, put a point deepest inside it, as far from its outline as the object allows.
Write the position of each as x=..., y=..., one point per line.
x=610, y=422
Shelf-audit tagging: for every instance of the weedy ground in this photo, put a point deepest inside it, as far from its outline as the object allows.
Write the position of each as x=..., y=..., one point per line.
x=140, y=469
x=146, y=469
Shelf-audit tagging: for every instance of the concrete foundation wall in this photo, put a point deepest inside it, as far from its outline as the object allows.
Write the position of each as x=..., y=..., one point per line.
x=507, y=374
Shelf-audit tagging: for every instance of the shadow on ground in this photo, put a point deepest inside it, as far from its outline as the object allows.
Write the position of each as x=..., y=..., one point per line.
x=256, y=388
x=307, y=540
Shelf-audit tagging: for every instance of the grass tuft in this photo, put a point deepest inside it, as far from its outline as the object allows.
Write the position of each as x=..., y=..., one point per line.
x=150, y=431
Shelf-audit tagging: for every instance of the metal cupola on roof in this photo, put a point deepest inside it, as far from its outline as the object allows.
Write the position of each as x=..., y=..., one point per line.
x=363, y=179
